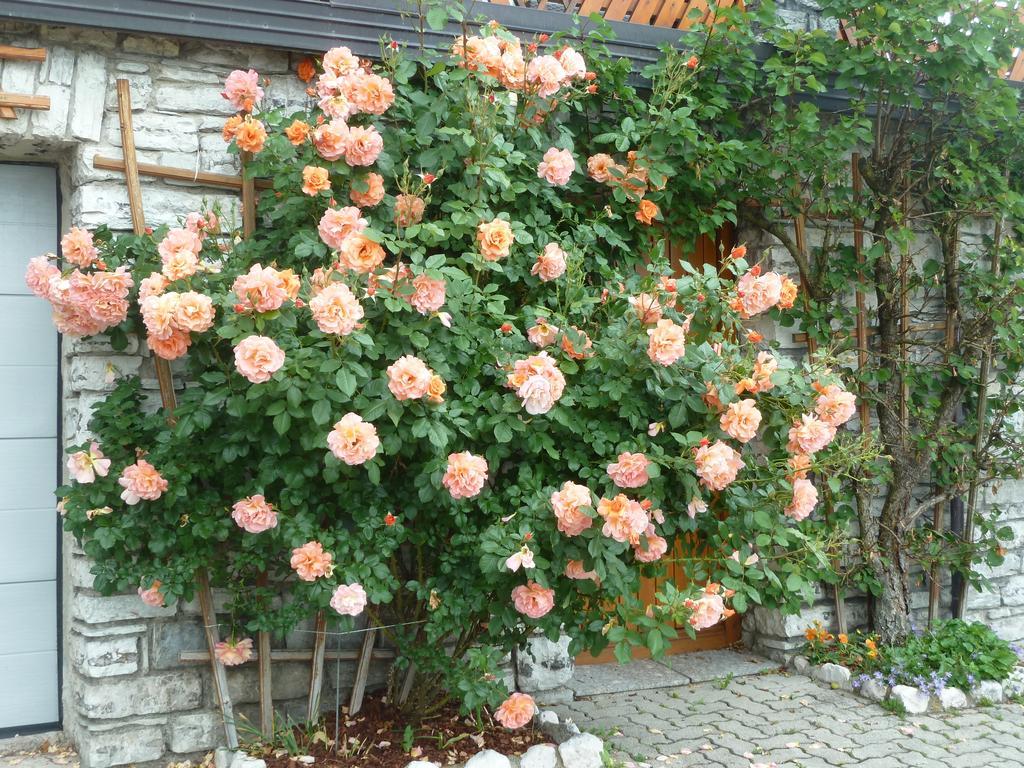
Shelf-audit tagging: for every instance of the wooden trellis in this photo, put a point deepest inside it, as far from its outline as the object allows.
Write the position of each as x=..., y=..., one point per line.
x=680, y=14
x=8, y=101
x=246, y=186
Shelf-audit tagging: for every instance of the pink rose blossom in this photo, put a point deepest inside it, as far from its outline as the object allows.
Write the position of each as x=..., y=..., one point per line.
x=340, y=61
x=242, y=89
x=557, y=166
x=331, y=139
x=408, y=210
x=338, y=223
x=349, y=599
x=630, y=471
x=77, y=247
x=805, y=498
x=572, y=62
x=599, y=167
x=533, y=600
x=159, y=313
x=179, y=252
x=574, y=569
x=336, y=310
x=741, y=420
x=409, y=378
x=624, y=519
x=717, y=465
x=810, y=435
x=194, y=312
x=647, y=307
x=257, y=358
x=696, y=507
x=495, y=238
x=364, y=146
x=568, y=504
x=428, y=294
x=667, y=342
x=152, y=596
x=232, y=653
x=835, y=405
x=172, y=347
x=141, y=481
x=373, y=194
x=650, y=547
x=153, y=285
x=516, y=711
x=545, y=75
x=543, y=334
x=40, y=274
x=465, y=475
x=254, y=514
x=84, y=466
x=521, y=559
x=707, y=611
x=550, y=263
x=538, y=383
x=758, y=293
x=310, y=562
x=353, y=440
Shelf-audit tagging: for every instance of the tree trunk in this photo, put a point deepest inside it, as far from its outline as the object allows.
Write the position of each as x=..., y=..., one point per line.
x=891, y=613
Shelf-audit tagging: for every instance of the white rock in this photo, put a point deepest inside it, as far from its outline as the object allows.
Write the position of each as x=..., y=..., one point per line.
x=488, y=759
x=87, y=96
x=539, y=756
x=1014, y=684
x=874, y=690
x=307, y=759
x=833, y=674
x=547, y=717
x=952, y=698
x=583, y=751
x=544, y=665
x=988, y=690
x=801, y=664
x=423, y=764
x=223, y=757
x=914, y=701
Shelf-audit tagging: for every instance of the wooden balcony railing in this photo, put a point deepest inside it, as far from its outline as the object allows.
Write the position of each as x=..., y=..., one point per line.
x=677, y=14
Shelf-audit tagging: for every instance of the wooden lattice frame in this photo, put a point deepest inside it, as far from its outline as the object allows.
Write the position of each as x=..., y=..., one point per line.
x=8, y=101
x=680, y=14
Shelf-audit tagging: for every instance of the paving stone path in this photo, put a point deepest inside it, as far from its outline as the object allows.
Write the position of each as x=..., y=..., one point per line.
x=762, y=717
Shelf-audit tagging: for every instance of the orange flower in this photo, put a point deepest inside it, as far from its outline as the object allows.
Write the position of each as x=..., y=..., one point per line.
x=231, y=127
x=297, y=132
x=811, y=634
x=251, y=136
x=646, y=212
x=315, y=180
x=843, y=639
x=306, y=69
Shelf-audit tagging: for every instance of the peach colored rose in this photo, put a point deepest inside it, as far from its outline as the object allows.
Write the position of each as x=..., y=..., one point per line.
x=599, y=167
x=624, y=519
x=717, y=465
x=572, y=62
x=340, y=61
x=545, y=75
x=336, y=309
x=349, y=599
x=667, y=342
x=84, y=466
x=364, y=146
x=251, y=136
x=650, y=547
x=799, y=465
x=550, y=264
x=758, y=293
x=465, y=475
x=141, y=480
x=764, y=367
x=230, y=128
x=40, y=274
x=538, y=383
x=408, y=210
x=646, y=212
x=516, y=711
x=495, y=239
x=202, y=223
x=542, y=334
x=574, y=569
x=242, y=90
x=331, y=139
x=152, y=285
x=179, y=252
x=647, y=307
x=360, y=254
x=436, y=390
x=696, y=507
x=353, y=440
x=257, y=358
x=568, y=504
x=788, y=294
x=428, y=294
x=408, y=378
x=805, y=498
x=194, y=312
x=521, y=559
x=265, y=289
x=835, y=405
x=810, y=435
x=297, y=132
x=533, y=600
x=315, y=180
x=310, y=562
x=171, y=347
x=569, y=346
x=152, y=596
x=254, y=514
x=630, y=471
x=159, y=314
x=232, y=653
x=78, y=248
x=741, y=420
x=338, y=224
x=371, y=94
x=556, y=167
x=707, y=611
x=373, y=194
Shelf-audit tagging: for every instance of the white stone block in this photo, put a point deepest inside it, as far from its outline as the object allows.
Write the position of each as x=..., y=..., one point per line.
x=873, y=690
x=544, y=665
x=153, y=46
x=539, y=756
x=94, y=609
x=952, y=698
x=832, y=674
x=140, y=89
x=186, y=98
x=583, y=751
x=101, y=374
x=18, y=77
x=987, y=690
x=195, y=732
x=52, y=123
x=913, y=700
x=60, y=63
x=152, y=694
x=488, y=759
x=88, y=93
x=133, y=744
x=105, y=656
x=423, y=764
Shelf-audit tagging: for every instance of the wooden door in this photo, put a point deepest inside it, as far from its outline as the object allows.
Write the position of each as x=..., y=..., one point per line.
x=707, y=251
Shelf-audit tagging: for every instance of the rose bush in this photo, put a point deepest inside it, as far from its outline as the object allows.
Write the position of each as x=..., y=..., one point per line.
x=451, y=381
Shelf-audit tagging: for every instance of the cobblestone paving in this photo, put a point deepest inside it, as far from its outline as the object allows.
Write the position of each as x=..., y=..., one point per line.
x=788, y=721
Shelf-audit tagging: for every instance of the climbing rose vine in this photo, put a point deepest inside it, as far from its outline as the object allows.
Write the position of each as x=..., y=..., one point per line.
x=451, y=382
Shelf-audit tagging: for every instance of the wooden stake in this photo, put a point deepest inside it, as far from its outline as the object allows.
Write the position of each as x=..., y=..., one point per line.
x=24, y=101
x=410, y=675
x=316, y=675
x=862, y=325
x=11, y=53
x=220, y=678
x=362, y=671
x=266, y=685
x=293, y=654
x=204, y=178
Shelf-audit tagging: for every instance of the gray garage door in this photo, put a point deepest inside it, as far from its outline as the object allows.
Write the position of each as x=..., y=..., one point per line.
x=28, y=456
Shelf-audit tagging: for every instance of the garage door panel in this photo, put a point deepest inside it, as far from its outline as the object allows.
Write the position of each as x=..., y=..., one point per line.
x=28, y=394
x=32, y=340
x=29, y=612
x=28, y=220
x=22, y=557
x=33, y=679
x=27, y=473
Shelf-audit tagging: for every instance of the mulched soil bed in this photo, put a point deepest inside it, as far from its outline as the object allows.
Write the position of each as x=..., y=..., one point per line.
x=374, y=739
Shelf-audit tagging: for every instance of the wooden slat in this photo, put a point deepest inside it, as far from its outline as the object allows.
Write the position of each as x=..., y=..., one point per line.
x=617, y=9
x=220, y=678
x=24, y=101
x=316, y=675
x=204, y=178
x=645, y=11
x=192, y=657
x=591, y=6
x=1017, y=72
x=410, y=675
x=266, y=684
x=11, y=53
x=7, y=113
x=689, y=16
x=362, y=671
x=862, y=324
